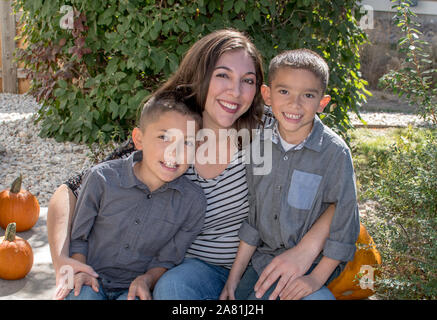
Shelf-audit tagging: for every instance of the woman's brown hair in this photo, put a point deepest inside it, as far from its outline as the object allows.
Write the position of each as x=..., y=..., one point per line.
x=196, y=68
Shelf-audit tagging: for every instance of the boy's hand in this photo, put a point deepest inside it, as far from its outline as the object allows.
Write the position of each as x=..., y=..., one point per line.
x=300, y=287
x=287, y=266
x=228, y=292
x=140, y=288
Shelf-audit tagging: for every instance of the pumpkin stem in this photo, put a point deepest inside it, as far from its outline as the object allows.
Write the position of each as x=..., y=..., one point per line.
x=16, y=185
x=10, y=232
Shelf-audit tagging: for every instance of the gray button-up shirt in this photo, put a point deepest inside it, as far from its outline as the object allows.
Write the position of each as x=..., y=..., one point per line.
x=285, y=203
x=124, y=229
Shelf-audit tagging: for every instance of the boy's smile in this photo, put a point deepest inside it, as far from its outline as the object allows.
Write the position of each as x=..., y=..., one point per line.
x=161, y=163
x=295, y=96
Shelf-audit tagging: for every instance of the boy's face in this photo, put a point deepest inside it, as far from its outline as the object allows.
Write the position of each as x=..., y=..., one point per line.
x=295, y=96
x=168, y=148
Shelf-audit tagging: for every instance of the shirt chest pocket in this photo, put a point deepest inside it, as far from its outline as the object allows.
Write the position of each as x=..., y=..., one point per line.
x=303, y=189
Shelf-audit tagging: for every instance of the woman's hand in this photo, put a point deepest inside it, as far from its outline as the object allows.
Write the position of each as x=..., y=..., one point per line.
x=228, y=292
x=300, y=287
x=80, y=279
x=67, y=267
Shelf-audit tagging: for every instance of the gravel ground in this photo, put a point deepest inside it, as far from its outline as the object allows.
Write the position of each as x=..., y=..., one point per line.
x=45, y=163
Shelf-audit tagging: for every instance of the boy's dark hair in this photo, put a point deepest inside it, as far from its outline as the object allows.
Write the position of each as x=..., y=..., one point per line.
x=164, y=102
x=301, y=59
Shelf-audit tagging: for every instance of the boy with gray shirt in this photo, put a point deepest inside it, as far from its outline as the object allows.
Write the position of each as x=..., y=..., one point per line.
x=136, y=217
x=312, y=169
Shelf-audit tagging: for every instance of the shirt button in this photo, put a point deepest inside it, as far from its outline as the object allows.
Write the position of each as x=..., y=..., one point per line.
x=126, y=246
x=285, y=157
x=275, y=217
x=149, y=196
x=137, y=221
x=278, y=187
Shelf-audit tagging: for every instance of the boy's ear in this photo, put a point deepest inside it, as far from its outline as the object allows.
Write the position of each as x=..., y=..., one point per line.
x=137, y=137
x=265, y=92
x=323, y=103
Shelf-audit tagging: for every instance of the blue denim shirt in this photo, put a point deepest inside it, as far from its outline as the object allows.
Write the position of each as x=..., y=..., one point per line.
x=285, y=203
x=124, y=229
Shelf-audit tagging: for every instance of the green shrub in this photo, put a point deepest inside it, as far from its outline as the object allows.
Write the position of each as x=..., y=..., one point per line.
x=91, y=79
x=402, y=179
x=413, y=81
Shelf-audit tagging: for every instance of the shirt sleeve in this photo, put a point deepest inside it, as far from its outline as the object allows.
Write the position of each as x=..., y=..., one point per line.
x=122, y=151
x=174, y=250
x=345, y=225
x=86, y=210
x=248, y=231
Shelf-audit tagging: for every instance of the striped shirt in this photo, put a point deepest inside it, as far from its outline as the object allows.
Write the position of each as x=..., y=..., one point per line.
x=227, y=208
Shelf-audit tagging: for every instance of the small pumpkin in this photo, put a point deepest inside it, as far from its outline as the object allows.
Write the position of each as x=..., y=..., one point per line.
x=346, y=286
x=19, y=206
x=16, y=255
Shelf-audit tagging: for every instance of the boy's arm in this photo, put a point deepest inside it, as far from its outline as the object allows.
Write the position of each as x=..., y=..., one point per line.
x=245, y=252
x=294, y=262
x=345, y=226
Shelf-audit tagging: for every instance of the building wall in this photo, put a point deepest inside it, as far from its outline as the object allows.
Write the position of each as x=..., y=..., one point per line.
x=381, y=55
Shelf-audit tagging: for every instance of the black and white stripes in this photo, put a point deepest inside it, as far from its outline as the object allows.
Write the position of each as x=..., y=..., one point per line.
x=228, y=206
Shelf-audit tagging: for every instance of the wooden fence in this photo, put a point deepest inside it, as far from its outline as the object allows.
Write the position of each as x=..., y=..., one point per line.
x=13, y=78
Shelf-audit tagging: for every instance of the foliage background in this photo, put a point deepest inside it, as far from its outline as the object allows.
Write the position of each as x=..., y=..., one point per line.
x=92, y=79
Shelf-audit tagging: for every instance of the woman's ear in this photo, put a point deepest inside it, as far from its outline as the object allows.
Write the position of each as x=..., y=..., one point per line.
x=323, y=103
x=137, y=137
x=265, y=92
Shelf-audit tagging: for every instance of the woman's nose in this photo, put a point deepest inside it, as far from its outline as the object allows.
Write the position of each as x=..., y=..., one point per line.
x=234, y=88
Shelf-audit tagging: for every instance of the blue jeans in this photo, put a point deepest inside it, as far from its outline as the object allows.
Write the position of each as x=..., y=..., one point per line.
x=193, y=279
x=245, y=290
x=87, y=293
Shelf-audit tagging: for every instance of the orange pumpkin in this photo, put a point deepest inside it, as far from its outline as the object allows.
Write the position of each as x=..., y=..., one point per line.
x=346, y=286
x=19, y=206
x=16, y=255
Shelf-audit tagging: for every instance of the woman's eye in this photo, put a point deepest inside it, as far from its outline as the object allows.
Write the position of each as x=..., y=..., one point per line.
x=221, y=75
x=249, y=81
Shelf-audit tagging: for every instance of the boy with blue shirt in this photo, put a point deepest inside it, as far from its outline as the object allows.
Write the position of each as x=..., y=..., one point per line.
x=136, y=217
x=312, y=169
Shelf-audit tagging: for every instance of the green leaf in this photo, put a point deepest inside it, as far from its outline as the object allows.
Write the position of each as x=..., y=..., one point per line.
x=239, y=6
x=183, y=25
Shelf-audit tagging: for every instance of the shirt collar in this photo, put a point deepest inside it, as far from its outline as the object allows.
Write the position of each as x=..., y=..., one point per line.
x=129, y=180
x=313, y=141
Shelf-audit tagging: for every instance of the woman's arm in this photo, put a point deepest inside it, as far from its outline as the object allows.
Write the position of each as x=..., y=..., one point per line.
x=296, y=261
x=244, y=254
x=59, y=217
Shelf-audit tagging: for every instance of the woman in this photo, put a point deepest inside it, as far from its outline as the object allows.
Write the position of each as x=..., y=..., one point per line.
x=221, y=75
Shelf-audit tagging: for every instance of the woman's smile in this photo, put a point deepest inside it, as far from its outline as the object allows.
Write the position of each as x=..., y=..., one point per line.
x=231, y=91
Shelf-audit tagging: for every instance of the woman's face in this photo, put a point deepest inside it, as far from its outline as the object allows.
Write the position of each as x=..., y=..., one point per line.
x=231, y=89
